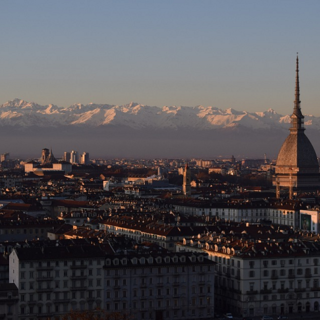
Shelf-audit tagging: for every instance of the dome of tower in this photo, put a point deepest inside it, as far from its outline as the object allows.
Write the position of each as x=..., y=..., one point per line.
x=297, y=151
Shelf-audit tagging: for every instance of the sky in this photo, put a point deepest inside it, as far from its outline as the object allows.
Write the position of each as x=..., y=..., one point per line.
x=226, y=54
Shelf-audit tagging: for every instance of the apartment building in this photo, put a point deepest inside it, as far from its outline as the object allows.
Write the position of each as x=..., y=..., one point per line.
x=52, y=280
x=160, y=286
x=263, y=273
x=251, y=211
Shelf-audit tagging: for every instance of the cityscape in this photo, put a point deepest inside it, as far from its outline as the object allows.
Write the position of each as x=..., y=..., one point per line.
x=162, y=238
x=153, y=165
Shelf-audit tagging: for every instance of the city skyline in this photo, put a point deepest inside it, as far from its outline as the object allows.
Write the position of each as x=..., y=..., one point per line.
x=221, y=54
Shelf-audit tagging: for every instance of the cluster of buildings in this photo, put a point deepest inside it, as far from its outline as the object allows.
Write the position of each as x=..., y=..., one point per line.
x=163, y=238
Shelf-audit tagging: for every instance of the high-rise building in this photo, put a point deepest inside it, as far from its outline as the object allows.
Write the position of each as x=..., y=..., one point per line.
x=74, y=157
x=66, y=156
x=85, y=158
x=297, y=166
x=5, y=157
x=186, y=187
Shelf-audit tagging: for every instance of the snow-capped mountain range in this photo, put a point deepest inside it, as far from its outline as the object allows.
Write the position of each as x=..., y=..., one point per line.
x=136, y=130
x=21, y=113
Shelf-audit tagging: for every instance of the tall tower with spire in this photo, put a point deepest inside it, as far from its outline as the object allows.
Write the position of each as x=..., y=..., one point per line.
x=297, y=166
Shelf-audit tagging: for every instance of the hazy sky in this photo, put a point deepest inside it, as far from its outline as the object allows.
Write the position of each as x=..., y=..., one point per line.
x=227, y=54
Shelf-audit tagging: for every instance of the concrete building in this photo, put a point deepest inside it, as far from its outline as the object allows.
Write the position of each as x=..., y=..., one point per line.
x=66, y=156
x=85, y=159
x=74, y=157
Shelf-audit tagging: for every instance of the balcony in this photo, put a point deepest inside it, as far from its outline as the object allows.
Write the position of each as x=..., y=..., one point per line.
x=82, y=288
x=291, y=276
x=266, y=291
x=44, y=278
x=61, y=301
x=44, y=289
x=308, y=275
x=299, y=290
x=78, y=277
x=78, y=266
x=283, y=290
x=250, y=292
x=315, y=288
x=44, y=268
x=274, y=276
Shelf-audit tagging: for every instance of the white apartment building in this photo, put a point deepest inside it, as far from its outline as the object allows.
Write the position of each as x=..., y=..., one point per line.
x=256, y=278
x=282, y=214
x=56, y=279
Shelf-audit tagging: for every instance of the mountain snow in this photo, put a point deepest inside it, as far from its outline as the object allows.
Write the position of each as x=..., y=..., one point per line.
x=137, y=116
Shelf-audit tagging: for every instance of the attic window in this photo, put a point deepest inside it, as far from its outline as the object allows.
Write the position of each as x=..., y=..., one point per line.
x=142, y=260
x=158, y=259
x=150, y=260
x=134, y=260
x=193, y=258
x=108, y=262
x=200, y=258
x=182, y=259
x=116, y=261
x=167, y=259
x=175, y=259
x=124, y=261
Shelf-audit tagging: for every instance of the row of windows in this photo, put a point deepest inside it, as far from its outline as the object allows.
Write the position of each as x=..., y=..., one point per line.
x=283, y=285
x=59, y=295
x=175, y=303
x=159, y=292
x=57, y=263
x=57, y=273
x=283, y=272
x=58, y=284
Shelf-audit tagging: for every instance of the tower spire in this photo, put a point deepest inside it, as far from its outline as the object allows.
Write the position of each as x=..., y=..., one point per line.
x=297, y=117
x=297, y=90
